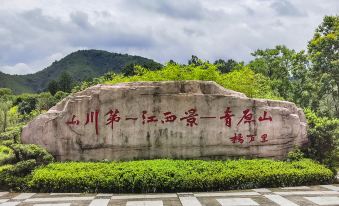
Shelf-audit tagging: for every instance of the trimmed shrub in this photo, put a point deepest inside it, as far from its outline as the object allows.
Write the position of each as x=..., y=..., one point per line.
x=23, y=159
x=15, y=177
x=176, y=175
x=11, y=133
x=31, y=151
x=6, y=155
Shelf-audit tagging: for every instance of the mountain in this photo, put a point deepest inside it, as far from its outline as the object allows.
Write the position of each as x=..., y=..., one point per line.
x=81, y=65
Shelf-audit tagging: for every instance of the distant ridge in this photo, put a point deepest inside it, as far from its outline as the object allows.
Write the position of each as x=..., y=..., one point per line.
x=81, y=65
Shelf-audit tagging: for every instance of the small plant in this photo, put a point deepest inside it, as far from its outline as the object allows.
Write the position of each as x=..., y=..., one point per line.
x=295, y=155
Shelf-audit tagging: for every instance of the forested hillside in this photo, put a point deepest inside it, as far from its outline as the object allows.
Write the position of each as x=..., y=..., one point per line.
x=80, y=65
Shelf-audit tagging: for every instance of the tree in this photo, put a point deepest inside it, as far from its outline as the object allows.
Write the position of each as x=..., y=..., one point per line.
x=323, y=133
x=171, y=61
x=4, y=108
x=26, y=103
x=227, y=66
x=53, y=87
x=286, y=68
x=65, y=82
x=195, y=61
x=128, y=70
x=323, y=51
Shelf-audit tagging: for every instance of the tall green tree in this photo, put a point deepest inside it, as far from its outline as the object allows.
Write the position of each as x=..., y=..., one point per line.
x=5, y=106
x=195, y=61
x=53, y=87
x=287, y=69
x=6, y=102
x=323, y=51
x=65, y=82
x=227, y=66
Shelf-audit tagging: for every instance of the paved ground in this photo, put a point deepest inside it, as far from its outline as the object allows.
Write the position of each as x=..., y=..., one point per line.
x=288, y=196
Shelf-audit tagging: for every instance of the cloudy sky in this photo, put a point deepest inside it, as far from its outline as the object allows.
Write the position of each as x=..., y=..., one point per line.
x=35, y=33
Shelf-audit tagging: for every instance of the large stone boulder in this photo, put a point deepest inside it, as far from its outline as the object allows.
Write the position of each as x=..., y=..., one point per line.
x=170, y=119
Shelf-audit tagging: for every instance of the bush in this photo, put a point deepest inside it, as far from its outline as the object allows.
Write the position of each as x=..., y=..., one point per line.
x=323, y=135
x=15, y=177
x=12, y=133
x=24, y=158
x=6, y=155
x=30, y=151
x=295, y=155
x=242, y=80
x=176, y=175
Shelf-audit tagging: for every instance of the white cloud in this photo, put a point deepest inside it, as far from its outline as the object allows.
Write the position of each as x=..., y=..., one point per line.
x=34, y=33
x=16, y=69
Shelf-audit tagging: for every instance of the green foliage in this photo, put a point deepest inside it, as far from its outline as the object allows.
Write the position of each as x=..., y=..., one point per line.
x=30, y=151
x=176, y=175
x=26, y=103
x=295, y=155
x=5, y=91
x=17, y=162
x=19, y=109
x=65, y=82
x=243, y=80
x=12, y=133
x=85, y=84
x=246, y=81
x=45, y=101
x=227, y=66
x=11, y=178
x=195, y=61
x=323, y=50
x=5, y=106
x=129, y=69
x=13, y=116
x=288, y=71
x=323, y=135
x=6, y=155
x=59, y=96
x=53, y=87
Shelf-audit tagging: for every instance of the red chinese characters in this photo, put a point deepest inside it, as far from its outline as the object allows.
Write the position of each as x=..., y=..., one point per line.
x=73, y=121
x=227, y=117
x=237, y=138
x=148, y=119
x=169, y=117
x=191, y=118
x=93, y=117
x=251, y=138
x=264, y=118
x=247, y=117
x=264, y=138
x=112, y=117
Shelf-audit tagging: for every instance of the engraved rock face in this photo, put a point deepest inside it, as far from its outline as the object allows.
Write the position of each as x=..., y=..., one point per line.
x=170, y=119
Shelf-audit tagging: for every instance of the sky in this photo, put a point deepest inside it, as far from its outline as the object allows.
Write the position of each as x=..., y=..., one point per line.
x=34, y=33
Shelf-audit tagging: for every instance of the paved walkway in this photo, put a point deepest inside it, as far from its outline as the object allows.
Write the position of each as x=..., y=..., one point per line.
x=288, y=196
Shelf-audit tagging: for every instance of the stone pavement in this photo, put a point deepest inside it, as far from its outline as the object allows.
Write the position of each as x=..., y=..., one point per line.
x=288, y=196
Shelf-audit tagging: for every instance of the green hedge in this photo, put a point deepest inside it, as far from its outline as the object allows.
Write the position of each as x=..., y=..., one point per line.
x=176, y=175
